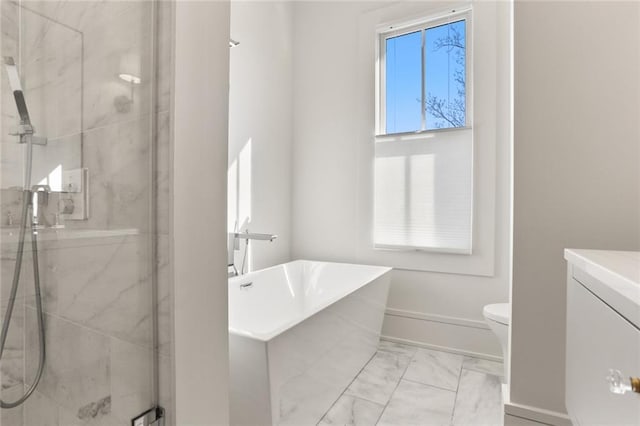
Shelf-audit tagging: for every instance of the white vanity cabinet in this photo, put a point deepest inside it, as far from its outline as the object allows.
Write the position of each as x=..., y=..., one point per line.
x=603, y=337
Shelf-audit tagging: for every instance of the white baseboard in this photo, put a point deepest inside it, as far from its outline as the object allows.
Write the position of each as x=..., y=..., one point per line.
x=535, y=414
x=510, y=420
x=450, y=334
x=437, y=318
x=443, y=348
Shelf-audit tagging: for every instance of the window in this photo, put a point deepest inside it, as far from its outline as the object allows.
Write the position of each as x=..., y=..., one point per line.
x=424, y=69
x=424, y=176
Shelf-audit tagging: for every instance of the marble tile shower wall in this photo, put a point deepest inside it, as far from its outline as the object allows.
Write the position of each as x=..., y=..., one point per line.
x=98, y=294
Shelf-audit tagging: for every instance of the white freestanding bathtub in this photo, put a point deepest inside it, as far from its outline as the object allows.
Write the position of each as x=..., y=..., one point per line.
x=298, y=335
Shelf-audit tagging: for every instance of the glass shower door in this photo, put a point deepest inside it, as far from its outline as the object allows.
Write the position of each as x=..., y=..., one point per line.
x=87, y=73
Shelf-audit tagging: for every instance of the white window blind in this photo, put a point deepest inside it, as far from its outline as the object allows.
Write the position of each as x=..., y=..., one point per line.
x=424, y=191
x=424, y=152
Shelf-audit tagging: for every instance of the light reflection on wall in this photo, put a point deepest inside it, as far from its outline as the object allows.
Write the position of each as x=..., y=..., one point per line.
x=239, y=196
x=53, y=179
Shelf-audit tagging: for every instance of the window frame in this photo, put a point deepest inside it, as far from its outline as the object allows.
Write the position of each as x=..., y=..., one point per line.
x=423, y=24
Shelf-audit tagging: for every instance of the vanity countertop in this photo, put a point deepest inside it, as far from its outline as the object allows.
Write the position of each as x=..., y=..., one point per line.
x=617, y=278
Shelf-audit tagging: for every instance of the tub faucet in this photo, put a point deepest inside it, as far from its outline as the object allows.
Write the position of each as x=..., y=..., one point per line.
x=253, y=236
x=234, y=240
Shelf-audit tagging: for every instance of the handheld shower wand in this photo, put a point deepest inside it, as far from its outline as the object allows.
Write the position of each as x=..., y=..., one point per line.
x=25, y=132
x=16, y=87
x=25, y=129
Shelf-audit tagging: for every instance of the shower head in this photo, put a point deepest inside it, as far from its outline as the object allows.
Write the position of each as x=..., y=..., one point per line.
x=16, y=87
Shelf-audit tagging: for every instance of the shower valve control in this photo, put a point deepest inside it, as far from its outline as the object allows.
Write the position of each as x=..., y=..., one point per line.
x=72, y=180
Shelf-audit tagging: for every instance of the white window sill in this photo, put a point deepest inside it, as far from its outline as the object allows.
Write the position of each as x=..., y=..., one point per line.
x=404, y=249
x=418, y=133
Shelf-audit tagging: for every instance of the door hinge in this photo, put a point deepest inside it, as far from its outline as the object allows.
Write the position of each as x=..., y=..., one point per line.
x=152, y=417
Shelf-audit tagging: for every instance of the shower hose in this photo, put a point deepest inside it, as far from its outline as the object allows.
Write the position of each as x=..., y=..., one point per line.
x=26, y=203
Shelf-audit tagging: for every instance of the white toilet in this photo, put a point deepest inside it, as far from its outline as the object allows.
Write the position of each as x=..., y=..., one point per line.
x=497, y=317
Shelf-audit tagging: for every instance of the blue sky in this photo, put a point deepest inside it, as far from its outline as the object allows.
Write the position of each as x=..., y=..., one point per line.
x=403, y=76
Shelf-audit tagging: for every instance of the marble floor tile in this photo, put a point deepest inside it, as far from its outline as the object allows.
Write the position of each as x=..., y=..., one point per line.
x=439, y=369
x=417, y=404
x=483, y=366
x=437, y=388
x=352, y=411
x=377, y=381
x=479, y=400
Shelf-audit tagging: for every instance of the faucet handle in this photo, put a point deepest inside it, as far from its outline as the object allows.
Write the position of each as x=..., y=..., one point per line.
x=56, y=221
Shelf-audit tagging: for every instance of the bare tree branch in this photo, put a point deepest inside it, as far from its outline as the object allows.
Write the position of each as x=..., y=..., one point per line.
x=452, y=115
x=444, y=111
x=451, y=41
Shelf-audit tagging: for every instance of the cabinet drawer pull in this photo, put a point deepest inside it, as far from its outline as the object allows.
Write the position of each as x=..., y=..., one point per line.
x=618, y=384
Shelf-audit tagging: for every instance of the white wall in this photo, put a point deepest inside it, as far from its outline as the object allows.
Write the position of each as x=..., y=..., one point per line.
x=260, y=127
x=329, y=154
x=576, y=168
x=199, y=120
